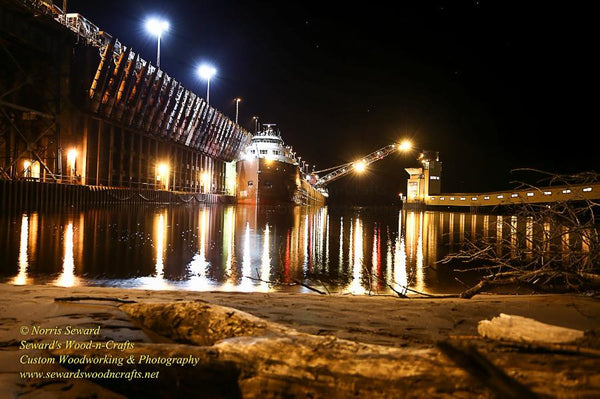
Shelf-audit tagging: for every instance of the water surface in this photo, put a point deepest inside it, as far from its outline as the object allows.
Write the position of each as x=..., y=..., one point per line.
x=240, y=248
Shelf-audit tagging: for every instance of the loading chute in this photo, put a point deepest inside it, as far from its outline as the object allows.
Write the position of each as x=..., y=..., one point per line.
x=359, y=166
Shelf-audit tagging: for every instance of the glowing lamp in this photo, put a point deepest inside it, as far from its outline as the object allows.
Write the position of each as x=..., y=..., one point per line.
x=206, y=71
x=405, y=145
x=162, y=170
x=360, y=166
x=156, y=26
x=72, y=156
x=205, y=177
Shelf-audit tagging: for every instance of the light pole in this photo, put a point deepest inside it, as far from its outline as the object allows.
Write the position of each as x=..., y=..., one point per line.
x=255, y=124
x=156, y=27
x=206, y=72
x=237, y=104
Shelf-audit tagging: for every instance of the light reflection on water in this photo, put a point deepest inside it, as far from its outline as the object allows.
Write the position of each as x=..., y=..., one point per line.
x=67, y=276
x=242, y=248
x=21, y=278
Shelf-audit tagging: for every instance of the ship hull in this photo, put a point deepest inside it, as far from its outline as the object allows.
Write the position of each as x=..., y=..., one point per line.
x=272, y=182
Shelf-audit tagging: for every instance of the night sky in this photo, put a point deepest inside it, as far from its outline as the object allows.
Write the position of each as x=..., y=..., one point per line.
x=492, y=86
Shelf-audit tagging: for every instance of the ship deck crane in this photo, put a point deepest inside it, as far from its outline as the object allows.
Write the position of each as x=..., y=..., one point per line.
x=360, y=165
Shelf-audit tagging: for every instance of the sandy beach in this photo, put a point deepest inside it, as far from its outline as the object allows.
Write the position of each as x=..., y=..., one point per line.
x=411, y=324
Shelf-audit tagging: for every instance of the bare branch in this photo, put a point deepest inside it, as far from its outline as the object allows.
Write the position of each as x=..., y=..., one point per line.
x=551, y=247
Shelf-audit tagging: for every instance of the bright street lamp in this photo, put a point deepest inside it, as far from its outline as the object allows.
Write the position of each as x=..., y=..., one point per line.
x=206, y=72
x=156, y=27
x=71, y=161
x=360, y=166
x=405, y=145
x=255, y=124
x=162, y=174
x=237, y=104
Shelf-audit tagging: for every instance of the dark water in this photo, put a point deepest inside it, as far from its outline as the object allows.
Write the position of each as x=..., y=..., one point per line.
x=348, y=250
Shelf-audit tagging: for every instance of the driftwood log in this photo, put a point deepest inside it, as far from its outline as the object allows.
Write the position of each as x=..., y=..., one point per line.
x=523, y=329
x=240, y=355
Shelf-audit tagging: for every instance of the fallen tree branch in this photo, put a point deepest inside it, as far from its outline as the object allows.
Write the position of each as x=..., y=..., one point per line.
x=295, y=282
x=539, y=280
x=484, y=371
x=270, y=282
x=91, y=298
x=567, y=349
x=553, y=348
x=550, y=247
x=309, y=287
x=400, y=294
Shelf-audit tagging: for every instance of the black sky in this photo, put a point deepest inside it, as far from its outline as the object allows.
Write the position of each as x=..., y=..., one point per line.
x=492, y=86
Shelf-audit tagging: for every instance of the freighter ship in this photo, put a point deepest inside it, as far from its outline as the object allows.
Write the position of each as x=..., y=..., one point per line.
x=269, y=173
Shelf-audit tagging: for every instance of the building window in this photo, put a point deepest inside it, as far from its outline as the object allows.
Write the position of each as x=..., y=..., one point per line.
x=587, y=189
x=442, y=198
x=451, y=198
x=514, y=195
x=252, y=151
x=263, y=151
x=276, y=152
x=486, y=198
x=530, y=194
x=567, y=191
x=500, y=196
x=462, y=198
x=473, y=198
x=547, y=192
x=434, y=178
x=250, y=183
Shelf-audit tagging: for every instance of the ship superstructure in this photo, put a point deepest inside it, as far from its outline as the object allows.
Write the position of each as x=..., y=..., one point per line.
x=269, y=145
x=269, y=173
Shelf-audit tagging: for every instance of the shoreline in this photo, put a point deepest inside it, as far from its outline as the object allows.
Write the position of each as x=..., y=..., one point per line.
x=340, y=314
x=412, y=324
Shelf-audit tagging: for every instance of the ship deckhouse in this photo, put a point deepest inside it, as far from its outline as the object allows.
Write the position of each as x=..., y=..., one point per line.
x=269, y=145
